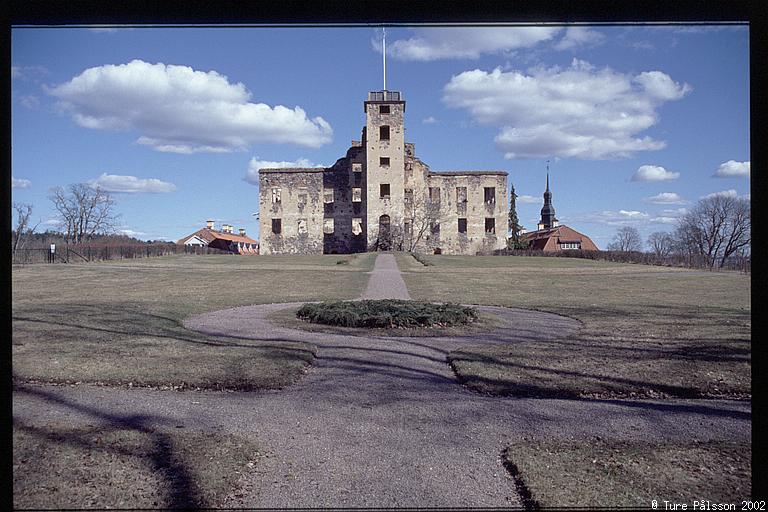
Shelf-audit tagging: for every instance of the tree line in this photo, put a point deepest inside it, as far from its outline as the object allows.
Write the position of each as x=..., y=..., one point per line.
x=716, y=229
x=85, y=214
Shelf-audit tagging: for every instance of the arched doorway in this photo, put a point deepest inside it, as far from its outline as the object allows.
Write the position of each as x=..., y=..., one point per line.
x=385, y=233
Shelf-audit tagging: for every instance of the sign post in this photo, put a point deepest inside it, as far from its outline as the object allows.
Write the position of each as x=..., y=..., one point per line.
x=52, y=254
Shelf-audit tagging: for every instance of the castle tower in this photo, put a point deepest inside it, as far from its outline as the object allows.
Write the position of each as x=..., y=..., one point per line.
x=548, y=220
x=385, y=163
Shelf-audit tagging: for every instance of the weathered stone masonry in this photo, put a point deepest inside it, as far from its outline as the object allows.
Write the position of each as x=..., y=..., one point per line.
x=381, y=196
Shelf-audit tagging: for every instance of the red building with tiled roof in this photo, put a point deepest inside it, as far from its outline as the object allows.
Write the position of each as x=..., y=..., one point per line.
x=224, y=240
x=551, y=236
x=559, y=238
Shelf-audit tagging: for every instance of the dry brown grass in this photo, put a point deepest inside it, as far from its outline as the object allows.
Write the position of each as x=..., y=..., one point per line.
x=119, y=323
x=598, y=473
x=59, y=467
x=648, y=331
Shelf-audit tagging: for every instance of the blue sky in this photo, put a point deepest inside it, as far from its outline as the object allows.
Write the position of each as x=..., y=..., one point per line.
x=637, y=122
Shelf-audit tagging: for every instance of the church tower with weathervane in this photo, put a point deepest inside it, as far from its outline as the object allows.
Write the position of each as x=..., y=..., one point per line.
x=551, y=236
x=548, y=219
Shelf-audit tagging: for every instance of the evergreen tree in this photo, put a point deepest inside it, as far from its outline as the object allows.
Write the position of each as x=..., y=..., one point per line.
x=513, y=242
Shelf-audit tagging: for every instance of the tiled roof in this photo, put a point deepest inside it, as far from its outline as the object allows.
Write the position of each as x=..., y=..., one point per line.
x=209, y=235
x=542, y=233
x=563, y=234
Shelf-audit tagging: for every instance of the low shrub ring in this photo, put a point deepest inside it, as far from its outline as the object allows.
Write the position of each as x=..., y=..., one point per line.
x=387, y=313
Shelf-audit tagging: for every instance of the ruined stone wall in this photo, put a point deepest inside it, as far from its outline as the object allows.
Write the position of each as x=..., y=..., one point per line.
x=469, y=203
x=348, y=209
x=338, y=209
x=301, y=199
x=318, y=208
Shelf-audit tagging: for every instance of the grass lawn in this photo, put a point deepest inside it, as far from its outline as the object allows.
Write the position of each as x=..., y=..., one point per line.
x=647, y=331
x=119, y=322
x=58, y=467
x=597, y=473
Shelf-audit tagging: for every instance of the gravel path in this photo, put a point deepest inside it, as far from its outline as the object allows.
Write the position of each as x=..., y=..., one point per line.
x=382, y=421
x=385, y=281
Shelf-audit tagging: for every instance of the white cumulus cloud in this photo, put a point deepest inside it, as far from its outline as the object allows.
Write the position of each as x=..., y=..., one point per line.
x=579, y=112
x=131, y=184
x=666, y=198
x=614, y=218
x=733, y=169
x=20, y=183
x=654, y=173
x=579, y=36
x=724, y=193
x=429, y=120
x=465, y=43
x=669, y=216
x=252, y=176
x=529, y=199
x=29, y=101
x=182, y=110
x=131, y=233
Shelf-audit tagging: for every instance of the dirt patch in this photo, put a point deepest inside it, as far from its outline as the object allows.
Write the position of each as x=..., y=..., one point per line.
x=605, y=473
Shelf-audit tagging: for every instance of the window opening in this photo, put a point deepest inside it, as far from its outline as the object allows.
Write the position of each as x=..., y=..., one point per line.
x=490, y=225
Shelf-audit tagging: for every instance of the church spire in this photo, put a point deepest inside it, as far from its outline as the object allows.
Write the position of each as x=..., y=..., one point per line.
x=548, y=220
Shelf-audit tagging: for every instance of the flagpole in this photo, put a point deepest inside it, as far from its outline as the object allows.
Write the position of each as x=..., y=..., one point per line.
x=384, y=54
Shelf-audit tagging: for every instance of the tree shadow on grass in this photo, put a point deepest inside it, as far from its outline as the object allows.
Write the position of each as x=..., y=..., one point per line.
x=86, y=334
x=133, y=323
x=695, y=408
x=564, y=383
x=525, y=343
x=182, y=490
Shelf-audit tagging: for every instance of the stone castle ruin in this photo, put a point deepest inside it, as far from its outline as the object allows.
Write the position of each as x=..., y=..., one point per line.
x=381, y=196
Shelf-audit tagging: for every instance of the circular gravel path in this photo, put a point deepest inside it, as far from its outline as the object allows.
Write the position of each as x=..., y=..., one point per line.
x=381, y=421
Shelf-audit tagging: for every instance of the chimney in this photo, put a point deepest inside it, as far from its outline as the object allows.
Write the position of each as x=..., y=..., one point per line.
x=225, y=228
x=209, y=224
x=242, y=231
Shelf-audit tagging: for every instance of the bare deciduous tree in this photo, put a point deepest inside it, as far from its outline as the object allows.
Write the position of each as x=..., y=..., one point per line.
x=425, y=220
x=626, y=238
x=412, y=232
x=661, y=243
x=22, y=231
x=717, y=227
x=85, y=211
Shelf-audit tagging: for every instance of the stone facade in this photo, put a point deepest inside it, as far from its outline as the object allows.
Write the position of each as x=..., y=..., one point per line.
x=381, y=196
